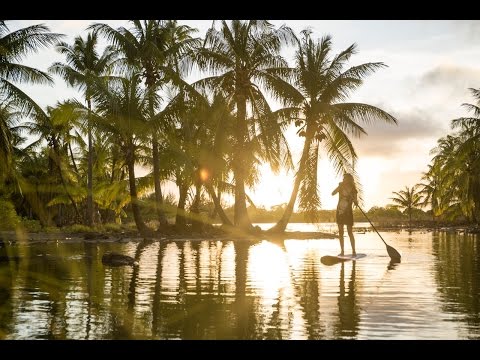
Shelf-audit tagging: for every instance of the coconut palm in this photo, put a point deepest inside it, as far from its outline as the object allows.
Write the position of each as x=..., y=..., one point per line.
x=122, y=110
x=54, y=126
x=408, y=199
x=245, y=58
x=82, y=70
x=153, y=46
x=14, y=47
x=429, y=188
x=9, y=117
x=324, y=118
x=468, y=158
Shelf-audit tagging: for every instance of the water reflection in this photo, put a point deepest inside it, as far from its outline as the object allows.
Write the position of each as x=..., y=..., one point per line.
x=458, y=278
x=348, y=311
x=243, y=290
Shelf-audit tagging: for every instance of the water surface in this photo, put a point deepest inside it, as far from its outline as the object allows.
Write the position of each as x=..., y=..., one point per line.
x=212, y=289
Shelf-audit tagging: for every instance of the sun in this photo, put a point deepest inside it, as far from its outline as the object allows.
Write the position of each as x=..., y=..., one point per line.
x=272, y=189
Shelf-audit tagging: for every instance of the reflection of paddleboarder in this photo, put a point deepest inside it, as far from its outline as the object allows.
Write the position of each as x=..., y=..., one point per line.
x=347, y=195
x=348, y=312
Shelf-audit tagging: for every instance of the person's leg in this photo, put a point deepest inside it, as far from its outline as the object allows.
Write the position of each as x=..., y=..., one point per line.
x=340, y=237
x=352, y=238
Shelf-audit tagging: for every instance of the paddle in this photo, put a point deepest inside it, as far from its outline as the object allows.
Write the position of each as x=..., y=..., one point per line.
x=394, y=254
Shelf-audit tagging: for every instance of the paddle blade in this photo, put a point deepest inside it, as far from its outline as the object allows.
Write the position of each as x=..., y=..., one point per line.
x=394, y=254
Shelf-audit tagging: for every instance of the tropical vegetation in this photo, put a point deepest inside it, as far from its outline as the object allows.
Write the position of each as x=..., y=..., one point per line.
x=201, y=113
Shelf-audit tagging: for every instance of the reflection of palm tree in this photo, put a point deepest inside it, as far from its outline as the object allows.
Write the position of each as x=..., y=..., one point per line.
x=244, y=328
x=157, y=303
x=457, y=280
x=348, y=312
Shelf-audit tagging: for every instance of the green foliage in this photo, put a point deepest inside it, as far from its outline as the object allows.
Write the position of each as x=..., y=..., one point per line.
x=78, y=228
x=31, y=225
x=113, y=228
x=452, y=183
x=9, y=219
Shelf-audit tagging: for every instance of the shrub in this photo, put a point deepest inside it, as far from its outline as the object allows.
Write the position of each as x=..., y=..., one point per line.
x=9, y=219
x=31, y=225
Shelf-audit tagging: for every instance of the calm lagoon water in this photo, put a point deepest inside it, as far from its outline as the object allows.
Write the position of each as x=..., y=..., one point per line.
x=221, y=289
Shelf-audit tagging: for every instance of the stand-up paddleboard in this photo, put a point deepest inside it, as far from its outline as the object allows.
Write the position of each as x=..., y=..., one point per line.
x=332, y=260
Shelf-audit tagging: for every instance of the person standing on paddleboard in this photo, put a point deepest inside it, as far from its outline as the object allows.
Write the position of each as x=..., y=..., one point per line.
x=347, y=196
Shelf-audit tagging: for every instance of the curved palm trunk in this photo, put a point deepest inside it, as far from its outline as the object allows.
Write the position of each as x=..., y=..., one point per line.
x=281, y=225
x=130, y=157
x=218, y=205
x=89, y=169
x=240, y=217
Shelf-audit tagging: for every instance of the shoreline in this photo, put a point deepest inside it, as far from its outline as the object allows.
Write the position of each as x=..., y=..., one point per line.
x=133, y=236
x=45, y=237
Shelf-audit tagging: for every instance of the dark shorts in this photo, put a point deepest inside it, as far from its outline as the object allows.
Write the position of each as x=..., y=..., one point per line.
x=346, y=218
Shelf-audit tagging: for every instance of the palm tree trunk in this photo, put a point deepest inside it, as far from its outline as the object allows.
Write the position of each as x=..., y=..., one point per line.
x=410, y=219
x=57, y=161
x=130, y=157
x=155, y=158
x=240, y=217
x=281, y=225
x=196, y=219
x=72, y=157
x=218, y=205
x=180, y=220
x=156, y=180
x=89, y=169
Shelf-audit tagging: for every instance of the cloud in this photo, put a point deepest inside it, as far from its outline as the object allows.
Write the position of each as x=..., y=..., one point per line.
x=471, y=28
x=455, y=79
x=389, y=140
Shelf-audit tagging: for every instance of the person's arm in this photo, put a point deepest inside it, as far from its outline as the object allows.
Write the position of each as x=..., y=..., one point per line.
x=337, y=189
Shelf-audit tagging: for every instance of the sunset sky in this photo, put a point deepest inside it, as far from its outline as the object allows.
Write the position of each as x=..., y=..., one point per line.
x=431, y=65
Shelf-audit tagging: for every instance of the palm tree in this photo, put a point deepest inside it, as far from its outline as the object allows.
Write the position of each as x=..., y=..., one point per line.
x=468, y=157
x=83, y=68
x=408, y=199
x=153, y=46
x=9, y=117
x=14, y=46
x=244, y=57
x=54, y=126
x=325, y=119
x=456, y=167
x=122, y=112
x=430, y=189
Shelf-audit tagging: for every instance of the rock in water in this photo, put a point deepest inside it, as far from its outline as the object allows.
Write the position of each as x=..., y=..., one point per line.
x=114, y=259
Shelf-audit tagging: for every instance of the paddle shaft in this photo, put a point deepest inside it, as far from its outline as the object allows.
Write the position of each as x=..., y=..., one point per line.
x=372, y=225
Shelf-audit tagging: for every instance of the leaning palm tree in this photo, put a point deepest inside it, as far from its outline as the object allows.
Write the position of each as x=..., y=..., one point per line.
x=325, y=119
x=83, y=68
x=153, y=47
x=408, y=199
x=14, y=46
x=245, y=57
